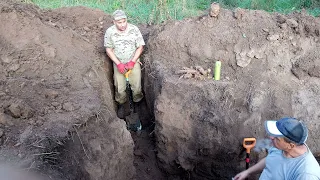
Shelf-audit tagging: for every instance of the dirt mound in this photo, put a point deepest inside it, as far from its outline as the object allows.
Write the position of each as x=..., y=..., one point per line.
x=56, y=108
x=269, y=70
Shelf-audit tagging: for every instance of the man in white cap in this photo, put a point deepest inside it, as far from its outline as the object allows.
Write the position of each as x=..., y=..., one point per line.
x=124, y=45
x=290, y=158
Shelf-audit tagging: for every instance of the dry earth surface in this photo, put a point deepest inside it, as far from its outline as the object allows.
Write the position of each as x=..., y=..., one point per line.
x=57, y=113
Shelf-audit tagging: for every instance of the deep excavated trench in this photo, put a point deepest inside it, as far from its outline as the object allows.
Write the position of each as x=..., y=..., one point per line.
x=56, y=94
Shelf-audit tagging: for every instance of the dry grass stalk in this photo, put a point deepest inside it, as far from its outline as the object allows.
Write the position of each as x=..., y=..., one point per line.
x=196, y=72
x=84, y=150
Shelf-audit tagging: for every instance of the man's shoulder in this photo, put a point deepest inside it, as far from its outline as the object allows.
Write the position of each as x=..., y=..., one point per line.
x=134, y=27
x=312, y=161
x=111, y=29
x=309, y=166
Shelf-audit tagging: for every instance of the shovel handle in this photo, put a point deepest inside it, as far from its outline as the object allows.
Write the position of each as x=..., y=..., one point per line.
x=127, y=74
x=249, y=143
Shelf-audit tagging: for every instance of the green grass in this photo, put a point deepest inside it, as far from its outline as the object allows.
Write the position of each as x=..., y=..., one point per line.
x=314, y=12
x=157, y=11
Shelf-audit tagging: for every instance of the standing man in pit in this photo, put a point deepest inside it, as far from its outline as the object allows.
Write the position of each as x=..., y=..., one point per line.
x=124, y=45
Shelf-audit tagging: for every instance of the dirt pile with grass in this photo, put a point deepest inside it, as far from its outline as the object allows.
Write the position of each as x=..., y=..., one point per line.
x=270, y=69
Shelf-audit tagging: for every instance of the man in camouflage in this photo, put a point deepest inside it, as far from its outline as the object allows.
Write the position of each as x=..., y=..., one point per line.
x=124, y=45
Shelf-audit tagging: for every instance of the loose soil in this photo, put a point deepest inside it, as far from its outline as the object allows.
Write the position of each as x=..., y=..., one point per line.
x=57, y=110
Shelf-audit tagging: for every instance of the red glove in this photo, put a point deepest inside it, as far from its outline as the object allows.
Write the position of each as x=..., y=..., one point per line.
x=121, y=68
x=130, y=65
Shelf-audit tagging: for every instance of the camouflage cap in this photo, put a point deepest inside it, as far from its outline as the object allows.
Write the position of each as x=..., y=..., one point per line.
x=119, y=14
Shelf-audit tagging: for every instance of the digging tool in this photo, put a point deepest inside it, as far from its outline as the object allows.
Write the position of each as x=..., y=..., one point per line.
x=248, y=144
x=132, y=120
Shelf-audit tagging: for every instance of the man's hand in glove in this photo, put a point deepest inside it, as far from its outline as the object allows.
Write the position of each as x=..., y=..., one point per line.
x=121, y=68
x=130, y=65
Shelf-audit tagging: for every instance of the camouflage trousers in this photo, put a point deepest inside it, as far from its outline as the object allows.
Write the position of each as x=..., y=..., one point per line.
x=120, y=84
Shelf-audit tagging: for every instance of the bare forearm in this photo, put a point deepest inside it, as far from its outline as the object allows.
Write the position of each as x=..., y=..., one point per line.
x=257, y=168
x=137, y=54
x=112, y=56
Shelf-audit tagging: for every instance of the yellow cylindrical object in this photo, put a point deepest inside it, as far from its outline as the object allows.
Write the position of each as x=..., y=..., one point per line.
x=217, y=70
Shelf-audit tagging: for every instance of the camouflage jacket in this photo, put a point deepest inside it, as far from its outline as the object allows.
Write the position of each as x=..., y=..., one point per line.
x=123, y=43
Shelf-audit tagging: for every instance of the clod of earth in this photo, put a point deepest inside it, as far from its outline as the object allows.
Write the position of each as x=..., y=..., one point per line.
x=214, y=9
